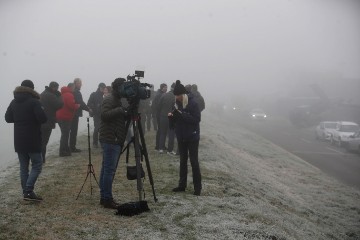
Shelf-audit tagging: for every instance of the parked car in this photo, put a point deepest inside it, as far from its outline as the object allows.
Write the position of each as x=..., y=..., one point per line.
x=354, y=143
x=324, y=129
x=342, y=132
x=258, y=114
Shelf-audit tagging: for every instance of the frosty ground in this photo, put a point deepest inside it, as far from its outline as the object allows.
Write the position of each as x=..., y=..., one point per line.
x=252, y=189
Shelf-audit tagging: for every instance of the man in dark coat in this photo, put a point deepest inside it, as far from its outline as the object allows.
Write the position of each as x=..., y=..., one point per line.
x=186, y=118
x=51, y=101
x=112, y=137
x=166, y=104
x=154, y=108
x=27, y=114
x=94, y=103
x=75, y=122
x=198, y=98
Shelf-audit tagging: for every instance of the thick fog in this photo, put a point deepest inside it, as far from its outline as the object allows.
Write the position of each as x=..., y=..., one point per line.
x=230, y=49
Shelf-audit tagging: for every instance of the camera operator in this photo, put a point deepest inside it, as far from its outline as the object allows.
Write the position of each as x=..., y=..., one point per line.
x=112, y=135
x=186, y=117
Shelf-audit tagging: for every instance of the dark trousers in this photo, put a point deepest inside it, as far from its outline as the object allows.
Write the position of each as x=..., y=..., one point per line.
x=171, y=139
x=163, y=129
x=157, y=134
x=189, y=149
x=148, y=121
x=154, y=121
x=73, y=132
x=96, y=130
x=65, y=127
x=45, y=136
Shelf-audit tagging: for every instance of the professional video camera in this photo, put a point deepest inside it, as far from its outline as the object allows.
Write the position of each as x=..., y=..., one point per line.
x=133, y=90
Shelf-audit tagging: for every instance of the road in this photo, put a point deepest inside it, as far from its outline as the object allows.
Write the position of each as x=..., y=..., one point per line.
x=334, y=161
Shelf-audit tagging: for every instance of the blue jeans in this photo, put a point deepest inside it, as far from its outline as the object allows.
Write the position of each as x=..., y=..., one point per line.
x=28, y=180
x=111, y=154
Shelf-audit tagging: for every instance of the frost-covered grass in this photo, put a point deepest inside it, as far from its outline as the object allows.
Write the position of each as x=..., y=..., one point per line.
x=252, y=189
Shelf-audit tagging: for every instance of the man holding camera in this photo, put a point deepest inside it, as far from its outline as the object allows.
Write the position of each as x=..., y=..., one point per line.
x=112, y=134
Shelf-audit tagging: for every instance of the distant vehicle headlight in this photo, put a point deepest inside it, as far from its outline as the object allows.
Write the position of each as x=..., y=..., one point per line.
x=253, y=115
x=264, y=116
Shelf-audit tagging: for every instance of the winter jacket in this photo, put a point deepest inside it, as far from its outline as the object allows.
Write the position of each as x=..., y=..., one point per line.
x=166, y=104
x=187, y=123
x=95, y=101
x=199, y=100
x=112, y=125
x=67, y=112
x=51, y=101
x=155, y=102
x=27, y=114
x=79, y=100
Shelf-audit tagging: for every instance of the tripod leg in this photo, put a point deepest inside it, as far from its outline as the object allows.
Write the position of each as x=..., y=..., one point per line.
x=83, y=185
x=145, y=154
x=137, y=158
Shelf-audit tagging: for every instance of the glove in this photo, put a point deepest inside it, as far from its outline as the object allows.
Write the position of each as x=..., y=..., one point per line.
x=177, y=114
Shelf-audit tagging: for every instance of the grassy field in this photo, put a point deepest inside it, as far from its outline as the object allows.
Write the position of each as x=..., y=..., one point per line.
x=251, y=190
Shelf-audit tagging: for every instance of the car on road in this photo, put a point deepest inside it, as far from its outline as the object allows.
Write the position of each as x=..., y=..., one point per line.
x=354, y=143
x=342, y=132
x=324, y=129
x=258, y=114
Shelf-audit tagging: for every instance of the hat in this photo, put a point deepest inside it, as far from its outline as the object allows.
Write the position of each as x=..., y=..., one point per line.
x=27, y=83
x=53, y=85
x=102, y=85
x=179, y=88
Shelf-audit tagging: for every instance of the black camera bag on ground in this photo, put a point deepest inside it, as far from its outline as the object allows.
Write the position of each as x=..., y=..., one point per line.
x=132, y=208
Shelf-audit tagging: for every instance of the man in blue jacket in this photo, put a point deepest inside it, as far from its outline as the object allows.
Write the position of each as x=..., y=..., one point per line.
x=27, y=114
x=186, y=118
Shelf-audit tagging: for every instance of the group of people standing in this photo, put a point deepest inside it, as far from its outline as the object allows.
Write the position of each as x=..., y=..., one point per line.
x=35, y=115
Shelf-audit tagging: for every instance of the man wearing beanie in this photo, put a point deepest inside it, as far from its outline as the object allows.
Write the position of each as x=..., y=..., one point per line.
x=94, y=103
x=27, y=114
x=186, y=118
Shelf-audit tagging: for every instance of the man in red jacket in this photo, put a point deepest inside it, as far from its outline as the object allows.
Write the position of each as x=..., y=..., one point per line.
x=64, y=117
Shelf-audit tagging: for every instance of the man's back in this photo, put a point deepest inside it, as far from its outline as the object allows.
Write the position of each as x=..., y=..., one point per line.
x=27, y=114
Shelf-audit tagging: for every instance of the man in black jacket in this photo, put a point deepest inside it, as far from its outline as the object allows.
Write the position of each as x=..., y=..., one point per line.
x=154, y=108
x=198, y=98
x=112, y=136
x=75, y=122
x=94, y=103
x=166, y=104
x=27, y=114
x=51, y=101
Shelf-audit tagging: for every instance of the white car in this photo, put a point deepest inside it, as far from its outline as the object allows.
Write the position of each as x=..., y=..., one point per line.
x=342, y=132
x=354, y=143
x=258, y=114
x=324, y=129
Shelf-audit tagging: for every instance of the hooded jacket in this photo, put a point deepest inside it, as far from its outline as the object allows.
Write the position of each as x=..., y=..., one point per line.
x=95, y=101
x=67, y=112
x=51, y=101
x=27, y=114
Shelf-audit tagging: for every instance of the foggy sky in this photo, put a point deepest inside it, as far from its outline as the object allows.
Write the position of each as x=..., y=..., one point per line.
x=226, y=47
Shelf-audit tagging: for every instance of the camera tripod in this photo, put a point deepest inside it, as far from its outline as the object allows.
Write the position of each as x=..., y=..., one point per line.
x=140, y=151
x=90, y=170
